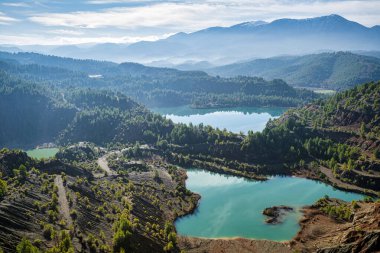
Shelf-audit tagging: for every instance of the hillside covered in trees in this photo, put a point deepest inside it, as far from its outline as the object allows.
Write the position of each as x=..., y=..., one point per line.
x=153, y=86
x=33, y=114
x=117, y=183
x=334, y=140
x=126, y=196
x=339, y=133
x=338, y=71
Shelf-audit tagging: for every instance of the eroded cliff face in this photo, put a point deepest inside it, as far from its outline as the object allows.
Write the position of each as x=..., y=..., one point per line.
x=232, y=245
x=326, y=232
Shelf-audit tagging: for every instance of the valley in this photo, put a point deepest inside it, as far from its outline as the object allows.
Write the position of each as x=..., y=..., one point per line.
x=258, y=136
x=150, y=187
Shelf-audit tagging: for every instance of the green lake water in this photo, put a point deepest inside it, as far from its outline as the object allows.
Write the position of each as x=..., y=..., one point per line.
x=233, y=119
x=39, y=153
x=232, y=206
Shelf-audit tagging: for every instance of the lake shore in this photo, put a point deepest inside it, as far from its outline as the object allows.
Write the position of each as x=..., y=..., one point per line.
x=317, y=231
x=228, y=216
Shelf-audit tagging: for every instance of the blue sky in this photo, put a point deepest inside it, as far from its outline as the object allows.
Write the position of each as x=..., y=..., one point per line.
x=58, y=22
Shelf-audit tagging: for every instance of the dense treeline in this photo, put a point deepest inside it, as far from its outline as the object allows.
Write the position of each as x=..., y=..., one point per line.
x=336, y=70
x=30, y=114
x=110, y=125
x=154, y=86
x=359, y=106
x=58, y=62
x=103, y=117
x=34, y=114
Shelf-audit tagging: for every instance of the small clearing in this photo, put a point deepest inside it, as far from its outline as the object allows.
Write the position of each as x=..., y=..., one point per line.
x=103, y=164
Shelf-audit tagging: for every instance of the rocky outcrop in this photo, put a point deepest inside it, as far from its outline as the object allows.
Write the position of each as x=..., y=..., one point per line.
x=276, y=213
x=357, y=242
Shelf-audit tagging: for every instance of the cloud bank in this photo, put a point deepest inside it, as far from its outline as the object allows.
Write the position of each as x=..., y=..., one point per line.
x=152, y=19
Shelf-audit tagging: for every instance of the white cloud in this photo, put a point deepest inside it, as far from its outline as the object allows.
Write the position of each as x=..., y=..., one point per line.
x=118, y=1
x=16, y=4
x=155, y=19
x=168, y=15
x=193, y=16
x=66, y=32
x=32, y=39
x=6, y=20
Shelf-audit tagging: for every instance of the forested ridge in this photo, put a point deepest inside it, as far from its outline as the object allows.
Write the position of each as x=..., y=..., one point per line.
x=33, y=114
x=337, y=70
x=154, y=86
x=340, y=132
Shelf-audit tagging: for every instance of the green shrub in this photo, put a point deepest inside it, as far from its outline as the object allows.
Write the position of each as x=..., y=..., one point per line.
x=74, y=214
x=53, y=215
x=368, y=199
x=25, y=246
x=64, y=244
x=169, y=247
x=48, y=232
x=376, y=153
x=123, y=233
x=3, y=188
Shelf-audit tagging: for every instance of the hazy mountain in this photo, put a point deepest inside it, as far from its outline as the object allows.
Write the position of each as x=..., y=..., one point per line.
x=103, y=52
x=253, y=40
x=10, y=49
x=87, y=66
x=368, y=53
x=225, y=45
x=332, y=70
x=187, y=65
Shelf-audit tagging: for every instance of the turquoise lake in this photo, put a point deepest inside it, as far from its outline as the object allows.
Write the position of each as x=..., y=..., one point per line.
x=39, y=153
x=239, y=119
x=232, y=206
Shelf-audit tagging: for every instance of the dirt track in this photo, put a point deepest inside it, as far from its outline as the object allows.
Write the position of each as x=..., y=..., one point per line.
x=62, y=200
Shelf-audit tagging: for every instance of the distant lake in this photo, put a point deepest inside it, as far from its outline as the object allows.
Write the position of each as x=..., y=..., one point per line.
x=232, y=206
x=39, y=153
x=233, y=119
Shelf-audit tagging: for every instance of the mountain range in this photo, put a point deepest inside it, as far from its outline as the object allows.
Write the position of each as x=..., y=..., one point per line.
x=249, y=40
x=225, y=45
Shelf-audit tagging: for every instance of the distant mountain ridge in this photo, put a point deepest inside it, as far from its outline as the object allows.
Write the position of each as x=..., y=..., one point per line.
x=339, y=70
x=225, y=45
x=242, y=41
